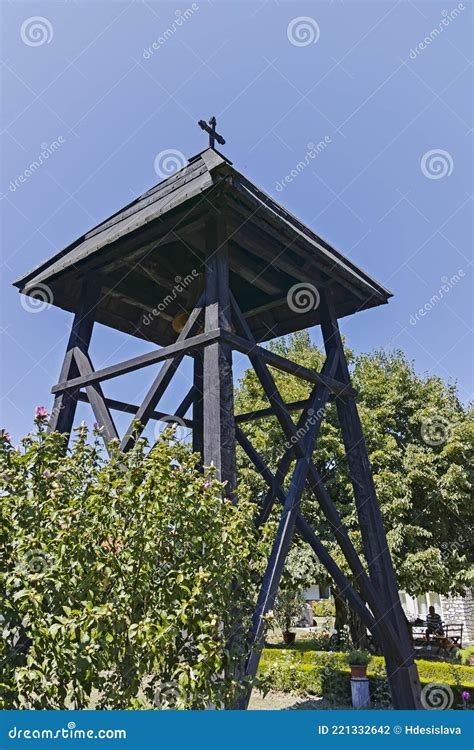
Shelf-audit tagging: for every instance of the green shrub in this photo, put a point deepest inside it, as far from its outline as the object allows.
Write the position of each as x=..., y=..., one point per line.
x=465, y=654
x=328, y=675
x=324, y=608
x=120, y=573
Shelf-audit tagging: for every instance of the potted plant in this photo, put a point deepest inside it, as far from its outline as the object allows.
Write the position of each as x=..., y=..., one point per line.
x=287, y=613
x=358, y=661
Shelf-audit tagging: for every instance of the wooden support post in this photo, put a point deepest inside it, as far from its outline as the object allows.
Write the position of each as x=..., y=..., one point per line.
x=64, y=407
x=96, y=398
x=309, y=536
x=317, y=486
x=401, y=671
x=198, y=391
x=218, y=388
x=328, y=369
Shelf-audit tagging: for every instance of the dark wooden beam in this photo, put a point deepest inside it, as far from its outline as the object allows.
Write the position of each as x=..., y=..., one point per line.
x=317, y=486
x=96, y=398
x=161, y=381
x=249, y=416
x=285, y=365
x=284, y=464
x=261, y=277
x=218, y=387
x=136, y=363
x=64, y=407
x=115, y=405
x=404, y=681
x=198, y=404
x=309, y=535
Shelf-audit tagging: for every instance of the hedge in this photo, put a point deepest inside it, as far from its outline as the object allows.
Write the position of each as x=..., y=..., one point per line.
x=328, y=675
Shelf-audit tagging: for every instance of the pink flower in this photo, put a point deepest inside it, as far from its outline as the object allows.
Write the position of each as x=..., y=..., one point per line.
x=41, y=412
x=207, y=485
x=466, y=695
x=47, y=474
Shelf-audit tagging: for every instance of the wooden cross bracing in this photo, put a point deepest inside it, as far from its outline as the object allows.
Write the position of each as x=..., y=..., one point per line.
x=373, y=592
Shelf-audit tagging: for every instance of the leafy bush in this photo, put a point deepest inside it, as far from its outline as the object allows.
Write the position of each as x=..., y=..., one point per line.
x=324, y=608
x=328, y=675
x=466, y=654
x=116, y=576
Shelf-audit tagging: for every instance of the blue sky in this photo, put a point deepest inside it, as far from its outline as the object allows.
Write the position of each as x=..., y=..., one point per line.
x=392, y=189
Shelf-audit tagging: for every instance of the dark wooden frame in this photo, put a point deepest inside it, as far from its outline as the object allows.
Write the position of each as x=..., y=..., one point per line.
x=373, y=593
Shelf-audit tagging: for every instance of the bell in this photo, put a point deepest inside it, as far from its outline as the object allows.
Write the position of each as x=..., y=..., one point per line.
x=179, y=321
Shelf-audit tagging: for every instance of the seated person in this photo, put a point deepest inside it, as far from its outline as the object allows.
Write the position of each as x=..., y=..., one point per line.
x=433, y=622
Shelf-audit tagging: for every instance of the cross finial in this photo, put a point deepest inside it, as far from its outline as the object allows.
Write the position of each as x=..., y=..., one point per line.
x=211, y=129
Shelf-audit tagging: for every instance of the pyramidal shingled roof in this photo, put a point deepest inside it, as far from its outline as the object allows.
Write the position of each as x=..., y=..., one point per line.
x=202, y=172
x=192, y=179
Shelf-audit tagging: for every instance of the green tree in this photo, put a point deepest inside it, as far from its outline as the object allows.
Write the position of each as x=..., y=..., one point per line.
x=420, y=442
x=116, y=576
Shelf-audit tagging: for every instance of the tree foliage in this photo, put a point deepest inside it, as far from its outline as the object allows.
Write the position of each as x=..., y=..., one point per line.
x=125, y=582
x=420, y=442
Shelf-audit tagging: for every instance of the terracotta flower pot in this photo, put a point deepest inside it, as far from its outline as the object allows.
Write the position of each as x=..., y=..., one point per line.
x=358, y=670
x=288, y=637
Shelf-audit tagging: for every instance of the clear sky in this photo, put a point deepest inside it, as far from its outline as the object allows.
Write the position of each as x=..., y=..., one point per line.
x=103, y=88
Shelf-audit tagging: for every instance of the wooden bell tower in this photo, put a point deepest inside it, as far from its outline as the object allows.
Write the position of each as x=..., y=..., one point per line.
x=202, y=265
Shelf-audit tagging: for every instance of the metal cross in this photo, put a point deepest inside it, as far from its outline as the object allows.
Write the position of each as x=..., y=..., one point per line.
x=213, y=135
